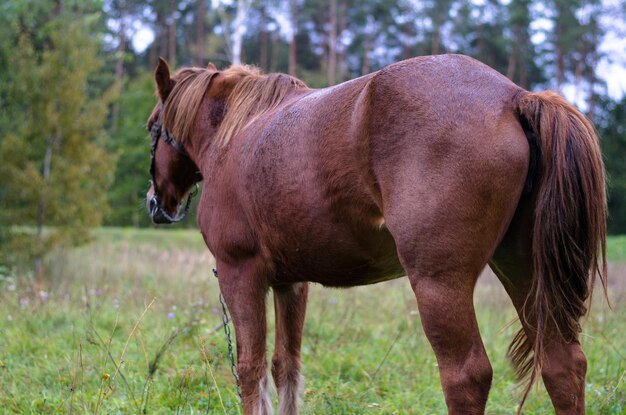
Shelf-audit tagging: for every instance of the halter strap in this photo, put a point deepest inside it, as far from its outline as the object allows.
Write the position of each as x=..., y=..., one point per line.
x=157, y=131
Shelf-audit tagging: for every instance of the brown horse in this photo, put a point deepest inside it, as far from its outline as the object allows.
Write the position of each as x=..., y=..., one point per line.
x=432, y=167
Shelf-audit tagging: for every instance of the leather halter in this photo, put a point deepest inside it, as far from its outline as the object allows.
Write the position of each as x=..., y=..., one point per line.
x=157, y=131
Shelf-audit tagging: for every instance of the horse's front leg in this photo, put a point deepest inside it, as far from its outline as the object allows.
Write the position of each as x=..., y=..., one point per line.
x=290, y=307
x=244, y=287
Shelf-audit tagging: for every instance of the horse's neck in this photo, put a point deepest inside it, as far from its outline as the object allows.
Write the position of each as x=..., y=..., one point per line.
x=211, y=155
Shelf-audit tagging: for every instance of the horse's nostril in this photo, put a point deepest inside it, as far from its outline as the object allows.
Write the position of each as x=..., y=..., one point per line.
x=152, y=204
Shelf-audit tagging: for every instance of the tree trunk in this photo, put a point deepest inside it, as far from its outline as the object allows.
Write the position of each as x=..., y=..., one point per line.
x=47, y=168
x=292, y=57
x=227, y=35
x=522, y=75
x=592, y=58
x=408, y=49
x=162, y=35
x=480, y=44
x=367, y=46
x=591, y=100
x=200, y=57
x=510, y=72
x=560, y=67
x=275, y=46
x=324, y=56
x=434, y=43
x=239, y=30
x=172, y=40
x=292, y=43
x=58, y=7
x=121, y=47
x=41, y=205
x=341, y=55
x=332, y=42
x=152, y=55
x=119, y=65
x=578, y=74
x=263, y=40
x=159, y=35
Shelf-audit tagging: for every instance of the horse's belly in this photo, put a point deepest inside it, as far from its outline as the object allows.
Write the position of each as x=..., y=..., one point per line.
x=364, y=275
x=342, y=263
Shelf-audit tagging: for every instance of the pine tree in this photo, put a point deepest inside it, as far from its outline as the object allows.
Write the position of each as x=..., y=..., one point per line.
x=53, y=170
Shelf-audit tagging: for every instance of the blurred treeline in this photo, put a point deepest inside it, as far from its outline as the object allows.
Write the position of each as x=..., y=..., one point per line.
x=76, y=85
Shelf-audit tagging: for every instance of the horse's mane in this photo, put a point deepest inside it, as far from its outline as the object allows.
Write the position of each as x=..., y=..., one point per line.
x=253, y=95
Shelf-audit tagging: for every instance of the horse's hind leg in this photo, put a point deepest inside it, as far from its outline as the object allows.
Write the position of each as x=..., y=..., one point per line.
x=244, y=289
x=444, y=239
x=447, y=313
x=290, y=307
x=564, y=364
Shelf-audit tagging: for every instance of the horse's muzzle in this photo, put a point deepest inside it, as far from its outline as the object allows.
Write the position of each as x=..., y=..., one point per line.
x=156, y=212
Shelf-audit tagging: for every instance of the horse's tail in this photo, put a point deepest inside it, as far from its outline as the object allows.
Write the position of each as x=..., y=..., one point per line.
x=569, y=232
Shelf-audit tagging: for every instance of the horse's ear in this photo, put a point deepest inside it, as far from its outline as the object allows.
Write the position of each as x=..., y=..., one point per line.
x=164, y=82
x=211, y=66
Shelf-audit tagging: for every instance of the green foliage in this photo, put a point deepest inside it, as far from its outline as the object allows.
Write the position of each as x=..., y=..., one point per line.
x=613, y=133
x=54, y=172
x=130, y=142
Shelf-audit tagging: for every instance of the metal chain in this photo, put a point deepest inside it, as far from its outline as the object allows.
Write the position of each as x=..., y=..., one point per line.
x=226, y=325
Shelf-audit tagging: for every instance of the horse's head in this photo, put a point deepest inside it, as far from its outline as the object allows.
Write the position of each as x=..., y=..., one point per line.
x=174, y=174
x=192, y=113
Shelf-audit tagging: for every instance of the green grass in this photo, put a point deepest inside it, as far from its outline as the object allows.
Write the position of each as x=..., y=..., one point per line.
x=364, y=351
x=616, y=248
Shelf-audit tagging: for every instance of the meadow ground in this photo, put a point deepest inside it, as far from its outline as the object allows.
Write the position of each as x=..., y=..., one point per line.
x=131, y=324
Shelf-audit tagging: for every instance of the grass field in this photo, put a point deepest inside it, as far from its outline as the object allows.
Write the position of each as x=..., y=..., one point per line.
x=131, y=324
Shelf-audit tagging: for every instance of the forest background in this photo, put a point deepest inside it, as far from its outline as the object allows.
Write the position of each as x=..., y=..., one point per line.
x=76, y=84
